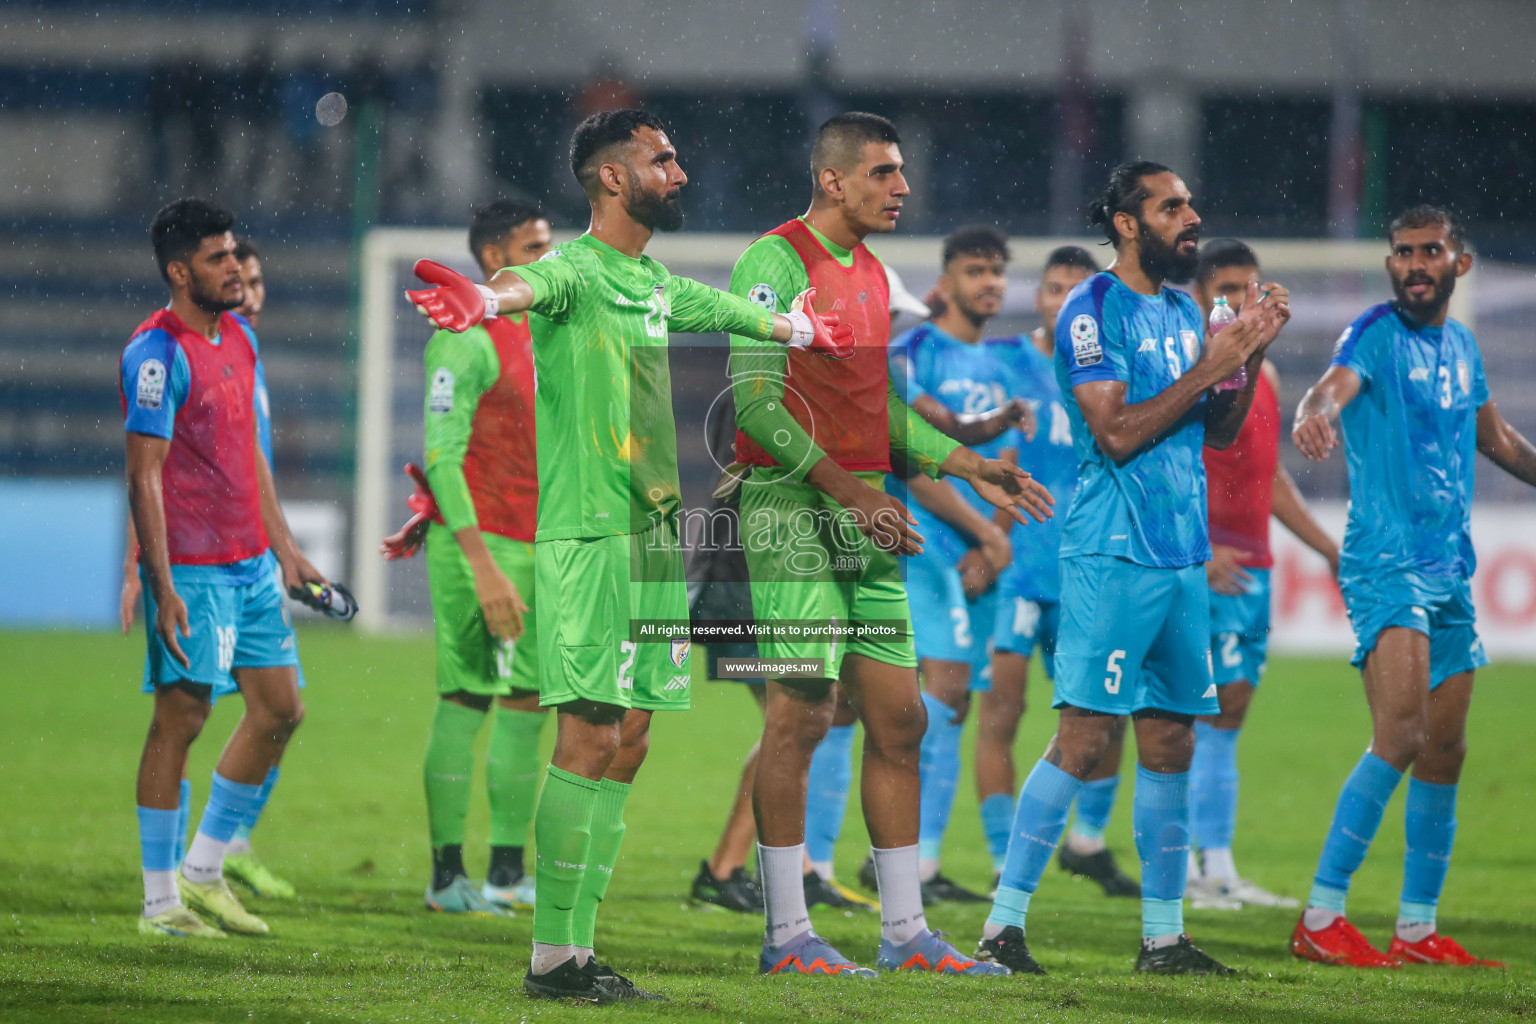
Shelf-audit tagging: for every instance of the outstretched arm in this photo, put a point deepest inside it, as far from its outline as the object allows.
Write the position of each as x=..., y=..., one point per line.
x=979, y=427
x=1313, y=431
x=1504, y=445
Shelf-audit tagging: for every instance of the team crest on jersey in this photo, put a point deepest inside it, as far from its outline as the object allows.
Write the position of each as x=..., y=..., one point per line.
x=440, y=397
x=863, y=296
x=1464, y=376
x=549, y=255
x=1191, y=342
x=151, y=389
x=763, y=295
x=1085, y=341
x=680, y=648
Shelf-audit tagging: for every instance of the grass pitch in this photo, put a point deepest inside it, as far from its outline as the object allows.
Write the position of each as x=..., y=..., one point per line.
x=347, y=825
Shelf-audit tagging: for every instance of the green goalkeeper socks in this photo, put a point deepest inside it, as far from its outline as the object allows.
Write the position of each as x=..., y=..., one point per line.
x=562, y=830
x=448, y=769
x=607, y=836
x=512, y=774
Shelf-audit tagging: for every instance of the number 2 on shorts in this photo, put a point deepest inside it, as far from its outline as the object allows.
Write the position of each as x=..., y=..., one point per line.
x=1112, y=681
x=627, y=648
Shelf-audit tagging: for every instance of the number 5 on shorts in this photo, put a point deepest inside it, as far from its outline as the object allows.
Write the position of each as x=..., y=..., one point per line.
x=1112, y=681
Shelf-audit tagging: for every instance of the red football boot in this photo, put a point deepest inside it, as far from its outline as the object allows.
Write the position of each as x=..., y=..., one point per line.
x=1438, y=949
x=1340, y=944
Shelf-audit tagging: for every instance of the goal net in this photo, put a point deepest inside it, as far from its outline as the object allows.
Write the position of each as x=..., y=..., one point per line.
x=1331, y=283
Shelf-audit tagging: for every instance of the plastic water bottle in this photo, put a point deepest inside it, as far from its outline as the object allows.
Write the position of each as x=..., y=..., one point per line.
x=1222, y=316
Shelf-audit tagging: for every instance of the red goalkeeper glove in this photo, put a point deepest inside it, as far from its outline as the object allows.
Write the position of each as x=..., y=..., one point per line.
x=409, y=538
x=824, y=333
x=455, y=303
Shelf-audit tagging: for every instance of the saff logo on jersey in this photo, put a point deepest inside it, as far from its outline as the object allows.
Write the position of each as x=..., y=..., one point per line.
x=440, y=397
x=151, y=386
x=680, y=648
x=1085, y=341
x=763, y=295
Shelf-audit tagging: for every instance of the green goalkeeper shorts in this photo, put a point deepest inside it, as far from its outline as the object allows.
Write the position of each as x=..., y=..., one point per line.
x=809, y=566
x=469, y=659
x=613, y=620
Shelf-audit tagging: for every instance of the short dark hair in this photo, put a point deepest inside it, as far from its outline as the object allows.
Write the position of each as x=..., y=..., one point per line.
x=844, y=135
x=495, y=221
x=1223, y=252
x=180, y=227
x=1427, y=216
x=245, y=249
x=1071, y=256
x=976, y=240
x=1124, y=194
x=601, y=130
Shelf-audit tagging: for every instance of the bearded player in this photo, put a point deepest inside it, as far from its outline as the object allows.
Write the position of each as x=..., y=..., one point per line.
x=821, y=535
x=612, y=613
x=1025, y=610
x=1135, y=613
x=206, y=514
x=1247, y=483
x=1407, y=384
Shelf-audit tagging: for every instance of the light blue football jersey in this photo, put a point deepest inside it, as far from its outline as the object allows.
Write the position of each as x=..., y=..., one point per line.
x=965, y=378
x=1149, y=509
x=1410, y=441
x=1036, y=572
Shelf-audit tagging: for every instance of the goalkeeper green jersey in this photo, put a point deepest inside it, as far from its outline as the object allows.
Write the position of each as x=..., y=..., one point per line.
x=607, y=444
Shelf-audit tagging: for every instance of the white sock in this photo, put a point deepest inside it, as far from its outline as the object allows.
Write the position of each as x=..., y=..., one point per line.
x=901, y=894
x=160, y=892
x=547, y=956
x=1159, y=941
x=991, y=930
x=205, y=859
x=1195, y=874
x=783, y=881
x=927, y=868
x=1084, y=845
x=1415, y=931
x=237, y=846
x=823, y=868
x=1315, y=919
x=584, y=955
x=1219, y=863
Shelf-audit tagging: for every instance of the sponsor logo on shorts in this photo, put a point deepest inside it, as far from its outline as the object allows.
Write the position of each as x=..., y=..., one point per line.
x=677, y=683
x=151, y=387
x=1085, y=341
x=1210, y=691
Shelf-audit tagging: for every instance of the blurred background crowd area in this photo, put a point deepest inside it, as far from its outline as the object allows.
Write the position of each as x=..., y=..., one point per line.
x=1313, y=118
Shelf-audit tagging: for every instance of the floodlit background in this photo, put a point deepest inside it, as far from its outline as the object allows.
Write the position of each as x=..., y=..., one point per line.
x=1313, y=119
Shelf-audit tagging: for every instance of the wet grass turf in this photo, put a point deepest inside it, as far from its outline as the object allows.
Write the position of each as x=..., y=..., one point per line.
x=347, y=825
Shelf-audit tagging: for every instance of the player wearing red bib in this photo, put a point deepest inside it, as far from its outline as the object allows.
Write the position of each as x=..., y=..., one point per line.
x=1246, y=484
x=817, y=437
x=206, y=515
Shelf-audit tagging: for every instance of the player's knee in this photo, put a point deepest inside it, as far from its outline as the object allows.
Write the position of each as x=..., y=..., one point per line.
x=1401, y=738
x=898, y=735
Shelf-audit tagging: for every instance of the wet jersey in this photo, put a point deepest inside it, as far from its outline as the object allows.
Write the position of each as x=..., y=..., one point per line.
x=1151, y=508
x=1035, y=573
x=607, y=443
x=1410, y=440
x=841, y=403
x=200, y=395
x=1241, y=479
x=965, y=378
x=481, y=459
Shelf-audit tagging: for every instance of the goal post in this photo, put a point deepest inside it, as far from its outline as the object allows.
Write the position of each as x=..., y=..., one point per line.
x=1331, y=283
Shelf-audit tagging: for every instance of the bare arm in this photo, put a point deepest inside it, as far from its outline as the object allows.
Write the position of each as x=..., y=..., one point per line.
x=146, y=504
x=1226, y=411
x=1504, y=445
x=977, y=428
x=1313, y=430
x=1288, y=506
x=296, y=568
x=500, y=603
x=128, y=601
